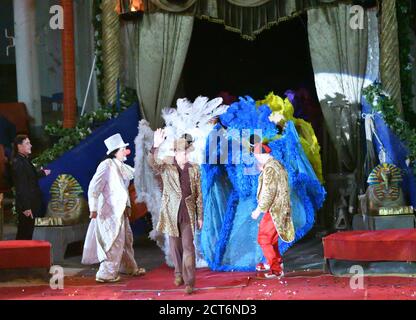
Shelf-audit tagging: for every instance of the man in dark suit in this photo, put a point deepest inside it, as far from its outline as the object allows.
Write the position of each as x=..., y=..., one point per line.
x=28, y=194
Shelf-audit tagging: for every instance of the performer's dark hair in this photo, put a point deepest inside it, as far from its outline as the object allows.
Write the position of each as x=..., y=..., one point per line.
x=254, y=138
x=189, y=139
x=112, y=155
x=18, y=140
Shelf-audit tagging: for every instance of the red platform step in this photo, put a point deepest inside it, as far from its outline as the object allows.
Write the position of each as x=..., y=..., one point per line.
x=25, y=254
x=382, y=245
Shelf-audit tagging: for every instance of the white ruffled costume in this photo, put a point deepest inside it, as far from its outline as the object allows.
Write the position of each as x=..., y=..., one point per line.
x=109, y=237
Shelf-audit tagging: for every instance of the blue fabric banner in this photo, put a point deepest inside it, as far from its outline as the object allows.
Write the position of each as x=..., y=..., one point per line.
x=396, y=152
x=82, y=161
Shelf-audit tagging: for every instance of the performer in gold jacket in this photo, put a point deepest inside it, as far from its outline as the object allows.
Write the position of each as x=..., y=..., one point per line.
x=273, y=196
x=181, y=205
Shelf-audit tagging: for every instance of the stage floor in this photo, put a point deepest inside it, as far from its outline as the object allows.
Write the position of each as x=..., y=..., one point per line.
x=305, y=279
x=157, y=285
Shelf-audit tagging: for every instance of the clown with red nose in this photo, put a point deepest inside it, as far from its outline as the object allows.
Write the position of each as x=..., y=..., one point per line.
x=109, y=239
x=273, y=202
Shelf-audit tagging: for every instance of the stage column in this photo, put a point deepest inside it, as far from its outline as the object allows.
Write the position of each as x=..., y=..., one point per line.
x=68, y=58
x=27, y=66
x=111, y=50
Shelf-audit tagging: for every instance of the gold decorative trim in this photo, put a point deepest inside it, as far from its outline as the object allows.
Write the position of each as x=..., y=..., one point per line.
x=111, y=50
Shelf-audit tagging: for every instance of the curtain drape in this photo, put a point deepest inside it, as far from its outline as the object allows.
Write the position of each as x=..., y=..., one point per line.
x=247, y=17
x=172, y=5
x=248, y=3
x=339, y=59
x=162, y=45
x=128, y=43
x=372, y=75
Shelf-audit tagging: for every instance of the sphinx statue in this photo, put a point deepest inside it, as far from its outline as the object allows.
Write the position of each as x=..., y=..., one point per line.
x=384, y=195
x=67, y=205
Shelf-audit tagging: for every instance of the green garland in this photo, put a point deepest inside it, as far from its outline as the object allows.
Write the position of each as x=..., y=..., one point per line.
x=404, y=19
x=98, y=39
x=385, y=106
x=69, y=138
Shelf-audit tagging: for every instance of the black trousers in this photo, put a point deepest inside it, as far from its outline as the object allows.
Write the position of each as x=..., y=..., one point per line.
x=25, y=227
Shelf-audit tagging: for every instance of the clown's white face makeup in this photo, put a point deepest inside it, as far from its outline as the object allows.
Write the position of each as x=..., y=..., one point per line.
x=122, y=154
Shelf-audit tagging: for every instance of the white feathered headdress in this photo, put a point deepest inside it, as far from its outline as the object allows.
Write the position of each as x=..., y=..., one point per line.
x=194, y=119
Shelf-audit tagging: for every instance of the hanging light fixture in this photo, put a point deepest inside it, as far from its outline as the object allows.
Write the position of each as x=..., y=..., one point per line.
x=130, y=9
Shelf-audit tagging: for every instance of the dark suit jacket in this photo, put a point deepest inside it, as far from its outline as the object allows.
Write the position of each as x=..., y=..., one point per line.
x=25, y=179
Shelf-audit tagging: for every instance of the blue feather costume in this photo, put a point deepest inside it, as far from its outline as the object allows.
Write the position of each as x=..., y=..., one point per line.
x=228, y=239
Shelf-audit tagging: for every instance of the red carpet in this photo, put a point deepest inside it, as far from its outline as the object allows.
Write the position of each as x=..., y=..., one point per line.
x=162, y=279
x=382, y=245
x=157, y=284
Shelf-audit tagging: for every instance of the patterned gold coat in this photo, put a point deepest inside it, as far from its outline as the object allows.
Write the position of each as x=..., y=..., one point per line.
x=273, y=195
x=172, y=195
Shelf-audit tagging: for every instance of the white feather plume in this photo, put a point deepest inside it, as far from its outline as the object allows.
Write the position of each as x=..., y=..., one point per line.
x=192, y=118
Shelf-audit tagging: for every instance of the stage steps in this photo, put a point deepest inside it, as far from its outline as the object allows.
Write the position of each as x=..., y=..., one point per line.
x=363, y=222
x=17, y=254
x=383, y=251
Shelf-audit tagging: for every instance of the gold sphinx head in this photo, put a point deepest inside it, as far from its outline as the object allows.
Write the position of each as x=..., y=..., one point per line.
x=384, y=190
x=67, y=205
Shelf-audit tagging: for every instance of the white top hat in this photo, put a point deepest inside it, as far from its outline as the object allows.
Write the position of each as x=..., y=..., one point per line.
x=114, y=142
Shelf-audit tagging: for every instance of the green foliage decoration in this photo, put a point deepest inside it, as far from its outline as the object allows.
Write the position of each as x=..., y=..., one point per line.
x=384, y=105
x=65, y=139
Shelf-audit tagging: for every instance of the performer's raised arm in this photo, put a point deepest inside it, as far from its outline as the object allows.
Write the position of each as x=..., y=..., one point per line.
x=152, y=158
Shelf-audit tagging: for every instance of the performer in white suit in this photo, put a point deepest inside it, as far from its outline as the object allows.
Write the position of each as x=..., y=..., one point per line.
x=109, y=239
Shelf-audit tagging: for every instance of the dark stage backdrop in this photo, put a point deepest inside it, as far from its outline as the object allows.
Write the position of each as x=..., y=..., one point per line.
x=220, y=60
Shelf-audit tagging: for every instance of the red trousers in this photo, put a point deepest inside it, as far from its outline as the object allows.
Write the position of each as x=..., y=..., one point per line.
x=268, y=241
